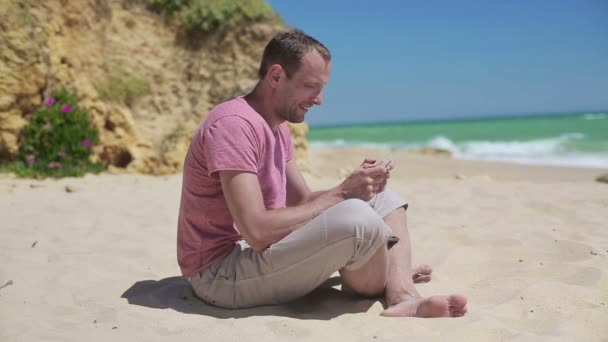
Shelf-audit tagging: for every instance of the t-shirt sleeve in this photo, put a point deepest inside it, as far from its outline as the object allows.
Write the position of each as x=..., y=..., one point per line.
x=230, y=143
x=290, y=150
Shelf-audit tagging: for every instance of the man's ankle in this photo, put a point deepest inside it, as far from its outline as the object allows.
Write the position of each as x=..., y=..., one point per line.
x=394, y=297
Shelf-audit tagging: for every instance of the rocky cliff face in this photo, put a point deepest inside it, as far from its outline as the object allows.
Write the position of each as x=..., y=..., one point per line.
x=80, y=44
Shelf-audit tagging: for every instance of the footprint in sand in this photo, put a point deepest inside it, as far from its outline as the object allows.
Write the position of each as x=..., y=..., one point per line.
x=287, y=329
x=506, y=242
x=586, y=276
x=567, y=273
x=564, y=251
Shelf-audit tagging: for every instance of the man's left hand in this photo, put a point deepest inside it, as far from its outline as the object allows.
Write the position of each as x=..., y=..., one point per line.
x=381, y=180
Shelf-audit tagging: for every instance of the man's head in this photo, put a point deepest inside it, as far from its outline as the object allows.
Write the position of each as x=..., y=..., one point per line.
x=297, y=67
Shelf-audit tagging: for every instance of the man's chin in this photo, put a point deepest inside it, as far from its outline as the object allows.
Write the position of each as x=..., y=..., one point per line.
x=296, y=118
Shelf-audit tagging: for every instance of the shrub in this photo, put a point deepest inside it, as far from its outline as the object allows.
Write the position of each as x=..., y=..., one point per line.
x=58, y=140
x=122, y=88
x=167, y=8
x=210, y=16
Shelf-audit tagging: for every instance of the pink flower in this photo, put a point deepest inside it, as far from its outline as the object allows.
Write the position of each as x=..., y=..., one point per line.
x=86, y=143
x=54, y=165
x=62, y=153
x=66, y=109
x=47, y=127
x=28, y=116
x=49, y=101
x=30, y=159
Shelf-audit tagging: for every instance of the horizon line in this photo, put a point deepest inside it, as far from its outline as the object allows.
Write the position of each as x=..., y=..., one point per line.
x=457, y=119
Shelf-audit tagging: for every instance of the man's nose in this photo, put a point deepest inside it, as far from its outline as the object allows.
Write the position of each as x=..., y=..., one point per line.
x=318, y=99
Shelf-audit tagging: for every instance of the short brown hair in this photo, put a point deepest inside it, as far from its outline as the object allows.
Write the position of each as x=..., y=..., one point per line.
x=287, y=49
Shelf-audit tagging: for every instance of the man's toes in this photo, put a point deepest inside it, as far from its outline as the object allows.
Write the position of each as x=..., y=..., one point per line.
x=457, y=302
x=423, y=269
x=458, y=314
x=422, y=274
x=418, y=278
x=454, y=310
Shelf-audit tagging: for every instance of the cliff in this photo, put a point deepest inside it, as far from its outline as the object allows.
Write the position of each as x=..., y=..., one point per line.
x=86, y=45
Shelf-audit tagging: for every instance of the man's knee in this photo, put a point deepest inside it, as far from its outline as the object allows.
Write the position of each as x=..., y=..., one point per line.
x=357, y=213
x=356, y=219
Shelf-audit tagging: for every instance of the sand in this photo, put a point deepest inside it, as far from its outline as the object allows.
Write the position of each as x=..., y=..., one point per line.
x=527, y=245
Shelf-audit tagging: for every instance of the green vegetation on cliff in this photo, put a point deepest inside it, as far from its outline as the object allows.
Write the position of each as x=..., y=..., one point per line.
x=211, y=16
x=123, y=88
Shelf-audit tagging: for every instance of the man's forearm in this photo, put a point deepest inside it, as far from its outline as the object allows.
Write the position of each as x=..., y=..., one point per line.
x=314, y=195
x=278, y=223
x=311, y=196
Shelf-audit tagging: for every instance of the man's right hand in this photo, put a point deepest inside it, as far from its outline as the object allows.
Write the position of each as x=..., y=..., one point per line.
x=364, y=182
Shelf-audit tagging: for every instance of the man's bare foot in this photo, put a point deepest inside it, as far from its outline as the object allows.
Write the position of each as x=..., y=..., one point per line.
x=422, y=274
x=398, y=294
x=436, y=306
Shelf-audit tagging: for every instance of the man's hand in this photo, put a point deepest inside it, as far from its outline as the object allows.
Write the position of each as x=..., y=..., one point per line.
x=389, y=167
x=367, y=180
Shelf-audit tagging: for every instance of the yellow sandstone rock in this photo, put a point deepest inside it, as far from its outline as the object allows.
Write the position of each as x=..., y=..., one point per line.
x=81, y=44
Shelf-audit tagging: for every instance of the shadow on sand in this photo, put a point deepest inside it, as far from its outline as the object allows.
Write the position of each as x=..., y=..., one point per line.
x=175, y=293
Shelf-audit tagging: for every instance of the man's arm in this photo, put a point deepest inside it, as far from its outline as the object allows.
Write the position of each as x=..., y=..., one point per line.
x=298, y=191
x=261, y=227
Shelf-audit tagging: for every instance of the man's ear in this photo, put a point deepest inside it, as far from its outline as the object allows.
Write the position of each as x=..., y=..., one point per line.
x=274, y=74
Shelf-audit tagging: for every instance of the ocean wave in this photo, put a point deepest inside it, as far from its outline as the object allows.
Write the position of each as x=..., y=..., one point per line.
x=550, y=151
x=595, y=116
x=517, y=149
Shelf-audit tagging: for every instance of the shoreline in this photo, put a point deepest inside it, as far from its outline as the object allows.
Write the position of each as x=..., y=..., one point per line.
x=413, y=166
x=439, y=151
x=336, y=162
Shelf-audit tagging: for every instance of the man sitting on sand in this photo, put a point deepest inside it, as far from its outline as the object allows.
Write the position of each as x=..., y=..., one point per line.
x=251, y=232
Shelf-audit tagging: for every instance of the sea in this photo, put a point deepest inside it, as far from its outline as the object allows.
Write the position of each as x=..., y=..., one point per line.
x=579, y=139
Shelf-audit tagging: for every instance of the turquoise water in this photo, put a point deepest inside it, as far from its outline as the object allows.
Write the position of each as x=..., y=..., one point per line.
x=575, y=139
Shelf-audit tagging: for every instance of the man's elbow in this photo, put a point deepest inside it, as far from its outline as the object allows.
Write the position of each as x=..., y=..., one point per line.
x=256, y=240
x=258, y=248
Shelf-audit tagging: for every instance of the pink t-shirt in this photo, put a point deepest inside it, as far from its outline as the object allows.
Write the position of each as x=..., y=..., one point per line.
x=233, y=137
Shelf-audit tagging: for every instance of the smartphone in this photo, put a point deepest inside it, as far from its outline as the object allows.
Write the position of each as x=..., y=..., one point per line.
x=386, y=160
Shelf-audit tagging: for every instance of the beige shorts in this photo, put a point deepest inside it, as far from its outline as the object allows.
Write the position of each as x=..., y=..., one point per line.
x=344, y=236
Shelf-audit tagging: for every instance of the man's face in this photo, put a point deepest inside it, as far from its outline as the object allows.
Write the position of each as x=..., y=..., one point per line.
x=296, y=95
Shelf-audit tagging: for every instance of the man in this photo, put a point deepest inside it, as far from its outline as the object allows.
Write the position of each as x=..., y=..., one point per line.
x=250, y=230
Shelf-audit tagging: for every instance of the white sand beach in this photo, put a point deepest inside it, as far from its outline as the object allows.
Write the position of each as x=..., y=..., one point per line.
x=528, y=245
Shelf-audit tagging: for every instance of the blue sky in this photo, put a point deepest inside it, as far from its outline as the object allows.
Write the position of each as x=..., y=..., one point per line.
x=402, y=60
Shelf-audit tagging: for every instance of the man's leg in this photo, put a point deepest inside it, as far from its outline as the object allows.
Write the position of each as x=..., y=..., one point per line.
x=346, y=236
x=402, y=298
x=399, y=283
x=394, y=268
x=369, y=280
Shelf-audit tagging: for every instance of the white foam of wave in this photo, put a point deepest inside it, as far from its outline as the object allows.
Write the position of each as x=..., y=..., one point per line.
x=518, y=149
x=551, y=151
x=595, y=116
x=443, y=143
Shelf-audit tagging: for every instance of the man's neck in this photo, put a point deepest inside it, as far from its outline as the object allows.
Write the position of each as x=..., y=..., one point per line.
x=260, y=100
